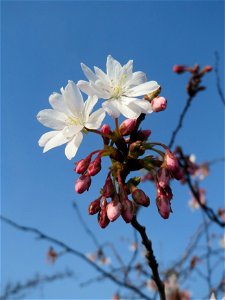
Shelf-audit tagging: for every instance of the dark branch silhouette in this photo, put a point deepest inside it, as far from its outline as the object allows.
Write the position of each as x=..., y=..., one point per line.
x=79, y=254
x=18, y=288
x=218, y=84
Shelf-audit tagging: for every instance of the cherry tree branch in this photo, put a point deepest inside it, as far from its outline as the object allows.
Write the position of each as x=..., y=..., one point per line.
x=79, y=254
x=218, y=84
x=150, y=257
x=208, y=210
x=17, y=288
x=180, y=121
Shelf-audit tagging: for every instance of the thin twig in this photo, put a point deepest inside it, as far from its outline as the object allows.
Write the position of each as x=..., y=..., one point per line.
x=218, y=85
x=88, y=231
x=208, y=210
x=209, y=250
x=75, y=252
x=17, y=288
x=180, y=122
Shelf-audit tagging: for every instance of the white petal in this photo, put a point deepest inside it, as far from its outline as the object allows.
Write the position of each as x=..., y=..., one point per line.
x=111, y=107
x=136, y=78
x=129, y=111
x=73, y=145
x=57, y=102
x=73, y=98
x=89, y=105
x=143, y=89
x=144, y=105
x=88, y=72
x=95, y=119
x=56, y=141
x=46, y=137
x=102, y=89
x=102, y=76
x=113, y=68
x=128, y=68
x=86, y=87
x=52, y=118
x=70, y=131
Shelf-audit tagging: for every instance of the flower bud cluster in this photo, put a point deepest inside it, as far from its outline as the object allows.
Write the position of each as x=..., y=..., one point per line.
x=87, y=168
x=193, y=85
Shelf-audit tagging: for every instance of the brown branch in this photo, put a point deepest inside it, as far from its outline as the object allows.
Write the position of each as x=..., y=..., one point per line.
x=17, y=288
x=88, y=231
x=75, y=252
x=180, y=122
x=208, y=210
x=218, y=85
x=150, y=257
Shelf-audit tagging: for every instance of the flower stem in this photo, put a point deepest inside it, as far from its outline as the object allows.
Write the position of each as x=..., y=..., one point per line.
x=117, y=126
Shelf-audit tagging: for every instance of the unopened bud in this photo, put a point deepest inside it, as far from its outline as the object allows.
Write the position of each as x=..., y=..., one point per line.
x=164, y=208
x=171, y=161
x=139, y=197
x=127, y=211
x=159, y=104
x=108, y=188
x=83, y=183
x=179, y=69
x=152, y=95
x=143, y=135
x=106, y=130
x=136, y=149
x=127, y=126
x=113, y=210
x=82, y=165
x=178, y=174
x=103, y=219
x=164, y=193
x=94, y=207
x=95, y=166
x=207, y=69
x=163, y=176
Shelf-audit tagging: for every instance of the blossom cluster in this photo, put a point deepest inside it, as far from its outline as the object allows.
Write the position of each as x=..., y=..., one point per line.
x=122, y=92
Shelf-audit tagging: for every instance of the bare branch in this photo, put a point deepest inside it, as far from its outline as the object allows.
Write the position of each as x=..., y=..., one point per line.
x=208, y=210
x=218, y=84
x=150, y=257
x=18, y=288
x=75, y=252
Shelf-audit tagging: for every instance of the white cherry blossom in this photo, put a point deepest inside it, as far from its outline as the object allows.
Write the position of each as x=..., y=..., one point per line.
x=119, y=87
x=68, y=119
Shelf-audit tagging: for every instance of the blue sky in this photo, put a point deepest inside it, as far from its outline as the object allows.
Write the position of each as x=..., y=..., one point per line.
x=43, y=44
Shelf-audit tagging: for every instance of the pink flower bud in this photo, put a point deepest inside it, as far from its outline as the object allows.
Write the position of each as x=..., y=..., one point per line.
x=103, y=219
x=106, y=130
x=171, y=161
x=207, y=69
x=139, y=197
x=95, y=166
x=159, y=104
x=163, y=176
x=164, y=208
x=136, y=149
x=127, y=211
x=83, y=183
x=143, y=135
x=178, y=174
x=122, y=194
x=113, y=210
x=164, y=193
x=94, y=207
x=82, y=165
x=179, y=69
x=108, y=189
x=127, y=126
